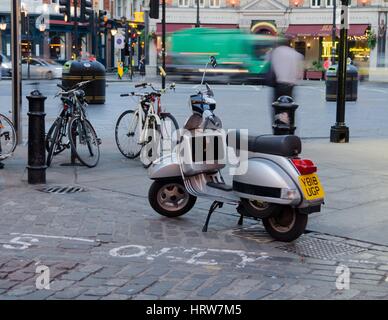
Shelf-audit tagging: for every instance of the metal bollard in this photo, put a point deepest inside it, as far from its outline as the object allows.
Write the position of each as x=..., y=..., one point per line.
x=284, y=116
x=36, y=138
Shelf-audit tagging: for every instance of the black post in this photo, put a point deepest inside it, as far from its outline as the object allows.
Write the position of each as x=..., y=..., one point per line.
x=146, y=31
x=95, y=33
x=76, y=28
x=340, y=132
x=36, y=138
x=25, y=20
x=130, y=56
x=16, y=74
x=164, y=42
x=198, y=24
x=333, y=34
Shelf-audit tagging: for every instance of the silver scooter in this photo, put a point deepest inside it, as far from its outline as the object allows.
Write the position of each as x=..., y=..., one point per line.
x=274, y=183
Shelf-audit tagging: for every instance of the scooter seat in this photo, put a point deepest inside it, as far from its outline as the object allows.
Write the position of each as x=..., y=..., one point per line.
x=287, y=145
x=282, y=145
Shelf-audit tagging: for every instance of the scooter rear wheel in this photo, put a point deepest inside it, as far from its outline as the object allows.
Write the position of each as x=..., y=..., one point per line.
x=287, y=225
x=170, y=198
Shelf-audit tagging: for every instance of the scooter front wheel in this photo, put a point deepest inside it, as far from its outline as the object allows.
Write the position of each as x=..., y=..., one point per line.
x=170, y=198
x=286, y=225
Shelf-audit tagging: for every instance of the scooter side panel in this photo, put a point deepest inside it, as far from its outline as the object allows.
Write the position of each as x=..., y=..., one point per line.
x=284, y=163
x=265, y=180
x=165, y=167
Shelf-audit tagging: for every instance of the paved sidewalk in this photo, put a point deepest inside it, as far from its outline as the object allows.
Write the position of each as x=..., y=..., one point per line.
x=107, y=243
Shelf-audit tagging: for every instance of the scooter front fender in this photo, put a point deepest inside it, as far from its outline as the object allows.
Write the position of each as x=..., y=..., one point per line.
x=165, y=167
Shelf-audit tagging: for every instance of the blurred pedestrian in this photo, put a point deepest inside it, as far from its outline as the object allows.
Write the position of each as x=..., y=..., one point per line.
x=142, y=65
x=1, y=63
x=286, y=65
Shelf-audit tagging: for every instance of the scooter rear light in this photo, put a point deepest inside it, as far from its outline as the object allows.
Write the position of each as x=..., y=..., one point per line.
x=304, y=166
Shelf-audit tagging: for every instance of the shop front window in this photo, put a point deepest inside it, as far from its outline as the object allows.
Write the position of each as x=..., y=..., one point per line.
x=327, y=46
x=214, y=3
x=183, y=3
x=119, y=8
x=57, y=48
x=26, y=48
x=315, y=3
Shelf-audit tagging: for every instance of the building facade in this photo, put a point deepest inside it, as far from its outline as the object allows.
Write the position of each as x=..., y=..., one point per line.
x=307, y=23
x=45, y=33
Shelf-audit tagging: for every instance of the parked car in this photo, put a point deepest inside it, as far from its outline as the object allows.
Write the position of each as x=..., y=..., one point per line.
x=41, y=69
x=6, y=66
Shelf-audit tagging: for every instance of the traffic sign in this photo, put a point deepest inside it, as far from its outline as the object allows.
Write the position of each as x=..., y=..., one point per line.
x=119, y=41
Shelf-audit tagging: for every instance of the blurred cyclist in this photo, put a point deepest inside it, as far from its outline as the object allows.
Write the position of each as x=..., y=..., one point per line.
x=286, y=64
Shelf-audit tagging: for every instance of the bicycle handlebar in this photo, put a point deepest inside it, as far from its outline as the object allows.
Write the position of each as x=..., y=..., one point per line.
x=144, y=84
x=155, y=94
x=72, y=89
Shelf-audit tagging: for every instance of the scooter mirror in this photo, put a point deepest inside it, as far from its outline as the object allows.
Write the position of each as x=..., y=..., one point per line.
x=213, y=61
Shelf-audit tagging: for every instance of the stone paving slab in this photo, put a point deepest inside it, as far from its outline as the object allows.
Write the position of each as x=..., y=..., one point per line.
x=149, y=266
x=107, y=243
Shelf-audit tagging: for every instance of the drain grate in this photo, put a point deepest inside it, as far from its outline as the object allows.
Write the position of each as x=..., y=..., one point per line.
x=255, y=233
x=62, y=189
x=319, y=248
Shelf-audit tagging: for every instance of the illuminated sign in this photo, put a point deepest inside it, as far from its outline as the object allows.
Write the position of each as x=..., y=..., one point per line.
x=139, y=16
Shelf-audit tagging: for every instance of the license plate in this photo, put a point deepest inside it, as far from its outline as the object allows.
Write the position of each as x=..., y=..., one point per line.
x=311, y=187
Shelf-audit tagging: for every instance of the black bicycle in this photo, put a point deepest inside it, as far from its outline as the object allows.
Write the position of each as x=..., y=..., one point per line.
x=72, y=130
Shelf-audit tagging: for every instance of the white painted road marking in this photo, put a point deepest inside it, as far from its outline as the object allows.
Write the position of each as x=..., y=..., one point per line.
x=20, y=243
x=194, y=256
x=23, y=241
x=53, y=237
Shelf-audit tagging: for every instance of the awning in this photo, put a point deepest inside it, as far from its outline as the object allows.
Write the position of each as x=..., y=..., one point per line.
x=321, y=30
x=171, y=27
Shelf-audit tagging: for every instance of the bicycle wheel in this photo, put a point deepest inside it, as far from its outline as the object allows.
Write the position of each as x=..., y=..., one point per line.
x=169, y=133
x=84, y=141
x=7, y=137
x=52, y=142
x=127, y=134
x=49, y=135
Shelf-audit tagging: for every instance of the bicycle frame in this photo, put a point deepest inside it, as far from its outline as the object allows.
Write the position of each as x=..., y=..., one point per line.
x=144, y=120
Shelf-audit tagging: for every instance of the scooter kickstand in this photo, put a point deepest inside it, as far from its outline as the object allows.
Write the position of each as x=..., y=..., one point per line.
x=213, y=207
x=240, y=211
